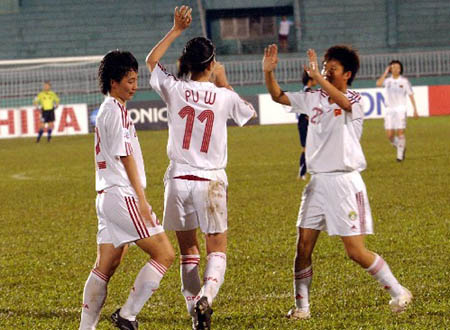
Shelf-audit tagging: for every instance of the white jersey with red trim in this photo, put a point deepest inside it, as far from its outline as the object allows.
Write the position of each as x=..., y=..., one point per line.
x=397, y=91
x=197, y=114
x=115, y=136
x=332, y=144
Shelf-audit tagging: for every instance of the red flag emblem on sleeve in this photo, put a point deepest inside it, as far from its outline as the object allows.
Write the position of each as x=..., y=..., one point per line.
x=337, y=112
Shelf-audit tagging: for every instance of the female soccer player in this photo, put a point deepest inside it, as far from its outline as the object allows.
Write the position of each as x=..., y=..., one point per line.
x=335, y=200
x=397, y=88
x=195, y=181
x=124, y=215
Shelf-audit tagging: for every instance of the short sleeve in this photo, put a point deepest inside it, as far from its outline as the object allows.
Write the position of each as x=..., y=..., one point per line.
x=357, y=106
x=118, y=135
x=241, y=111
x=162, y=81
x=300, y=101
x=409, y=89
x=55, y=97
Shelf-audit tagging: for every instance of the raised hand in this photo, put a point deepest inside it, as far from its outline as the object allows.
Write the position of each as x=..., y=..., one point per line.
x=270, y=58
x=182, y=18
x=313, y=66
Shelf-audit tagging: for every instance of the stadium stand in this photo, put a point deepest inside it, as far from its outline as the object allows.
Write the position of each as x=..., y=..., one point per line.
x=57, y=28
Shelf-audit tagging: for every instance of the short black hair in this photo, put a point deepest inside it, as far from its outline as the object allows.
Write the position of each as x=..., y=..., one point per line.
x=399, y=63
x=114, y=66
x=347, y=56
x=305, y=78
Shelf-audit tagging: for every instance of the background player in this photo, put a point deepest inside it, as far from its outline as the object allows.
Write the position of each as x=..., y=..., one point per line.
x=302, y=126
x=124, y=214
x=195, y=181
x=397, y=88
x=335, y=200
x=48, y=101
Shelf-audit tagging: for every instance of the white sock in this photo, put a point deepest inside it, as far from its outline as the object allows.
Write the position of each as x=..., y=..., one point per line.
x=382, y=273
x=214, y=275
x=302, y=282
x=145, y=284
x=94, y=297
x=190, y=280
x=401, y=144
x=394, y=141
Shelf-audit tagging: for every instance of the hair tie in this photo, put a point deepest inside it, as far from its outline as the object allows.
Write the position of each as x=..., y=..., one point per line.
x=209, y=58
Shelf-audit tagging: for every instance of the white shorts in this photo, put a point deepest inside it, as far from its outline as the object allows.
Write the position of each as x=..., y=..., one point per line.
x=395, y=118
x=337, y=204
x=119, y=220
x=189, y=204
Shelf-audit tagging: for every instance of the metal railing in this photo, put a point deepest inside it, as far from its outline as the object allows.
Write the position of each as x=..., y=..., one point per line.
x=76, y=82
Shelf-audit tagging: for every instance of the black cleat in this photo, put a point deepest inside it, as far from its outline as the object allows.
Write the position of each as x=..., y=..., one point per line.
x=122, y=323
x=203, y=312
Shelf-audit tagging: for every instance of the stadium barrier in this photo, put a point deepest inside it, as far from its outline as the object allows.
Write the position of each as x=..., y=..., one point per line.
x=152, y=114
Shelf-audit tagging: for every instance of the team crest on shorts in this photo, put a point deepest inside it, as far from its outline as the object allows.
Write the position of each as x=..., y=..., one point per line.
x=352, y=215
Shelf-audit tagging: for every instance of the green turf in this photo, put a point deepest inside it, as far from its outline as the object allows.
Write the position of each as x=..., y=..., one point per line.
x=48, y=228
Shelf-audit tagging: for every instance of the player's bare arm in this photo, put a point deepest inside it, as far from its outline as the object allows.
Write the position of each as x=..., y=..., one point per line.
x=269, y=63
x=181, y=21
x=335, y=94
x=219, y=77
x=131, y=168
x=413, y=102
x=380, y=80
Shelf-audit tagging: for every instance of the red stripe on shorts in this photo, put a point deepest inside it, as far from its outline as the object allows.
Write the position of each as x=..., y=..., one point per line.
x=138, y=218
x=133, y=217
x=142, y=221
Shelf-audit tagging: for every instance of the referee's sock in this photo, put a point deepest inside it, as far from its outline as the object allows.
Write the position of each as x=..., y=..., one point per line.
x=49, y=134
x=41, y=131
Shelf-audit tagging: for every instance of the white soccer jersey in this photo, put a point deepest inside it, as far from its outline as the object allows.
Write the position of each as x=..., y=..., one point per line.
x=397, y=91
x=115, y=136
x=197, y=119
x=332, y=144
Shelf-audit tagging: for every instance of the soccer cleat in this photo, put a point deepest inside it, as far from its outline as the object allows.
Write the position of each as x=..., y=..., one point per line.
x=298, y=314
x=122, y=323
x=203, y=312
x=401, y=302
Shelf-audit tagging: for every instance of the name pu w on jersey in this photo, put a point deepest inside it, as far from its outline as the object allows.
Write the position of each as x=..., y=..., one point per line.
x=123, y=213
x=195, y=181
x=48, y=101
x=397, y=88
x=335, y=200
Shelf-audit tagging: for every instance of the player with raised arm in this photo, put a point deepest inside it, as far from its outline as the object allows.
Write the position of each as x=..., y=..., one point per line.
x=124, y=215
x=335, y=200
x=397, y=89
x=195, y=181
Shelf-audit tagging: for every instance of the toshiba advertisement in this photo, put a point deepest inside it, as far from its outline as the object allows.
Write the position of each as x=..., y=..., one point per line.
x=70, y=119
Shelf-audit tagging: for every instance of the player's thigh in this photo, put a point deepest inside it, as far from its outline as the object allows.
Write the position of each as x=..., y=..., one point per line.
x=348, y=210
x=179, y=211
x=118, y=211
x=389, y=120
x=210, y=203
x=311, y=212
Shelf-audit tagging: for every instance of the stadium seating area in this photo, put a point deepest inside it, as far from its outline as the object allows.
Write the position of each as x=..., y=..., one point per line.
x=56, y=28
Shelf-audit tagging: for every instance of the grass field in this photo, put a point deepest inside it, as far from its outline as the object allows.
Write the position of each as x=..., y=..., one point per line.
x=48, y=227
